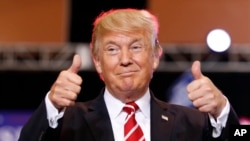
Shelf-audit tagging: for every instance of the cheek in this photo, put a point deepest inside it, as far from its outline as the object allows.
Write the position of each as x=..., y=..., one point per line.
x=145, y=61
x=109, y=64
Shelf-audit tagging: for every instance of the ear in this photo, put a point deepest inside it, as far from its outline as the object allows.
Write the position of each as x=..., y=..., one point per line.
x=156, y=62
x=97, y=64
x=157, y=56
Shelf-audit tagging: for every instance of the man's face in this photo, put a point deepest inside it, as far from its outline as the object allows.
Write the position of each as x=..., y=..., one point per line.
x=126, y=63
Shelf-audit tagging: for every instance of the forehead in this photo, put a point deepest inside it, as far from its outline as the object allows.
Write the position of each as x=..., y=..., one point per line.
x=123, y=37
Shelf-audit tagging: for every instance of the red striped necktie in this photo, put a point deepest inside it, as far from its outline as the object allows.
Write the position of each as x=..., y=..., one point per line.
x=132, y=130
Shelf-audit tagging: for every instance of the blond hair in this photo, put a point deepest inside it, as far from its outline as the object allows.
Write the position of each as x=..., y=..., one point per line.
x=125, y=20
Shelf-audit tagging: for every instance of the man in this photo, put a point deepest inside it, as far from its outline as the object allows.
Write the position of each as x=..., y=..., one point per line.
x=126, y=53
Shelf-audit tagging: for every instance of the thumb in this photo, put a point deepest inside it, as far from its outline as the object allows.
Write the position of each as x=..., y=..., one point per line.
x=76, y=64
x=196, y=70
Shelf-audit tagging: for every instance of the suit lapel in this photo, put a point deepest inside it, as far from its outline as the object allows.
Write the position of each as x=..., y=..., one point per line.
x=161, y=121
x=100, y=124
x=99, y=121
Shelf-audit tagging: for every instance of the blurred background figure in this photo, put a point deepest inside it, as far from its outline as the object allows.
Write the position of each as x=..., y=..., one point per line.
x=177, y=92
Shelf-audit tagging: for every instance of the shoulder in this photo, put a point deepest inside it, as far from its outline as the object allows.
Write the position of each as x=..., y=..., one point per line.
x=95, y=105
x=80, y=106
x=180, y=111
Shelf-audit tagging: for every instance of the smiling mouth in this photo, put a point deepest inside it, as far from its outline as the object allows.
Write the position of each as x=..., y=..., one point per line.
x=127, y=73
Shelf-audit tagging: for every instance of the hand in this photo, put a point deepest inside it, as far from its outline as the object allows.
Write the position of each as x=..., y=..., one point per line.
x=204, y=94
x=67, y=86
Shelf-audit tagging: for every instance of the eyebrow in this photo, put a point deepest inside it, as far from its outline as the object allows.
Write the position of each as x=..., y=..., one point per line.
x=130, y=42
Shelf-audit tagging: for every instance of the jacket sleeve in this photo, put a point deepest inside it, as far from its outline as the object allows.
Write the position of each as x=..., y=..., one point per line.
x=37, y=127
x=231, y=121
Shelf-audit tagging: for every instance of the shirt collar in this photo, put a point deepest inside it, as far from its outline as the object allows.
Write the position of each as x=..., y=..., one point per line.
x=115, y=106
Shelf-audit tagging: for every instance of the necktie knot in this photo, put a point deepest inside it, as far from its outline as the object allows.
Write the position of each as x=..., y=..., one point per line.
x=130, y=107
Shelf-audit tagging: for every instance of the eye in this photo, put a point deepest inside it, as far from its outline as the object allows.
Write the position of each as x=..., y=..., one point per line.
x=136, y=48
x=112, y=50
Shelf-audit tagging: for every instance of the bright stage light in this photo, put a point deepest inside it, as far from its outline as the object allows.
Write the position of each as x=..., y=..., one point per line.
x=218, y=40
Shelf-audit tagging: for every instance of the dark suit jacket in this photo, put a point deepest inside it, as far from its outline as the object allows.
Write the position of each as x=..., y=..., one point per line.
x=89, y=121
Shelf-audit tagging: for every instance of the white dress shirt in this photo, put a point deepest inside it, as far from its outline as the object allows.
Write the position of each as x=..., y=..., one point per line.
x=117, y=115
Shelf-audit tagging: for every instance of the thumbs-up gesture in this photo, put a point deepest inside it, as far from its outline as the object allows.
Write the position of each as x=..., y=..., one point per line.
x=67, y=86
x=204, y=94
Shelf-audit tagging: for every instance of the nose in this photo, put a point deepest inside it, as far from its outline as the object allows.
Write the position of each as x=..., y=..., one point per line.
x=125, y=57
